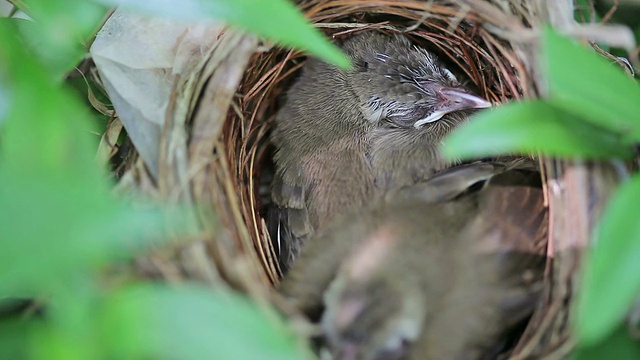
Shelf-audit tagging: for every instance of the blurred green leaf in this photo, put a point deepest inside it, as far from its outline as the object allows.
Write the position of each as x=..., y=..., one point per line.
x=55, y=227
x=58, y=218
x=48, y=127
x=59, y=30
x=611, y=274
x=70, y=330
x=583, y=14
x=583, y=83
x=85, y=89
x=277, y=20
x=619, y=346
x=14, y=343
x=190, y=322
x=532, y=127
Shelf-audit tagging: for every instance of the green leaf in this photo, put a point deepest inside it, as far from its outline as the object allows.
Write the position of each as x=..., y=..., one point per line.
x=583, y=14
x=618, y=346
x=583, y=83
x=69, y=330
x=55, y=228
x=46, y=127
x=611, y=274
x=58, y=218
x=59, y=30
x=278, y=20
x=531, y=127
x=13, y=340
x=190, y=322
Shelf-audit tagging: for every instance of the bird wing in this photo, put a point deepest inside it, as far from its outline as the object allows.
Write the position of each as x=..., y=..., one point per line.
x=455, y=181
x=288, y=218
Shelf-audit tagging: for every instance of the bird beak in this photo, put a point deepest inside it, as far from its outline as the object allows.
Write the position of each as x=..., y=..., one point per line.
x=461, y=100
x=454, y=100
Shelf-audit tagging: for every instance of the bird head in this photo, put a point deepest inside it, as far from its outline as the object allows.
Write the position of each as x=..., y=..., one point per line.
x=372, y=320
x=369, y=313
x=402, y=85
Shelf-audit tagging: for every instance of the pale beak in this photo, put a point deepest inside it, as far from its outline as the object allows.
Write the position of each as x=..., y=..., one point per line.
x=454, y=100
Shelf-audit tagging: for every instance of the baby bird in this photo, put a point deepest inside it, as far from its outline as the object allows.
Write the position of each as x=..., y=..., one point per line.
x=344, y=137
x=426, y=274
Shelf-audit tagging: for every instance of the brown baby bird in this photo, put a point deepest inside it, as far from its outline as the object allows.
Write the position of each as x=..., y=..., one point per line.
x=344, y=137
x=426, y=274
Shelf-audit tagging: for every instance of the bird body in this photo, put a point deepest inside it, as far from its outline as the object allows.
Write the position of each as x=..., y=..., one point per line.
x=404, y=256
x=344, y=137
x=427, y=277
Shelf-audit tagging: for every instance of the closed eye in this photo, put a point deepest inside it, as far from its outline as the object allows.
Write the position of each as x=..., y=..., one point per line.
x=450, y=75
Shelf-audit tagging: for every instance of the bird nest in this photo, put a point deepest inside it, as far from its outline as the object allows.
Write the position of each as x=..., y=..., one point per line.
x=453, y=31
x=493, y=43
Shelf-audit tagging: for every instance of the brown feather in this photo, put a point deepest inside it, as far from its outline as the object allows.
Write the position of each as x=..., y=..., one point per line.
x=428, y=279
x=343, y=137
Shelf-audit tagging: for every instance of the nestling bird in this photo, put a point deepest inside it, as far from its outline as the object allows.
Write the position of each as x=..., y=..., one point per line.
x=426, y=274
x=343, y=137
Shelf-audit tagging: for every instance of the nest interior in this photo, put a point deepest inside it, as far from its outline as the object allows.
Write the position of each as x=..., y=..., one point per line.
x=452, y=30
x=455, y=31
x=490, y=43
